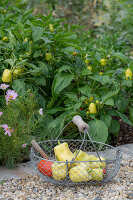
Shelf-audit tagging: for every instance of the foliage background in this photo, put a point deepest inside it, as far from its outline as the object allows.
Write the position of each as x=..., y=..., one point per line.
x=94, y=30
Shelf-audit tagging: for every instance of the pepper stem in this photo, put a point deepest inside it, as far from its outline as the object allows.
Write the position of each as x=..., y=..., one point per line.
x=58, y=142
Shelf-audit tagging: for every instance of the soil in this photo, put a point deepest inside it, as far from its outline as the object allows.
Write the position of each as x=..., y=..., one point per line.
x=125, y=135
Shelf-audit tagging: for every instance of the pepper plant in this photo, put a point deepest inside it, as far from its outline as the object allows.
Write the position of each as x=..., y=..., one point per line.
x=70, y=75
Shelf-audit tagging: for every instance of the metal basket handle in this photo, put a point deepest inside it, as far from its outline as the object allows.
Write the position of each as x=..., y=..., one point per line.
x=84, y=127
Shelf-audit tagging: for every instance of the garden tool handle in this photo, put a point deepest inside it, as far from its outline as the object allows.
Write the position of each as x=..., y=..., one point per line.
x=78, y=121
x=39, y=149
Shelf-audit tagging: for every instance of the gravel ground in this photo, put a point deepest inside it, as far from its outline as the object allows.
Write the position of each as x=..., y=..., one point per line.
x=31, y=186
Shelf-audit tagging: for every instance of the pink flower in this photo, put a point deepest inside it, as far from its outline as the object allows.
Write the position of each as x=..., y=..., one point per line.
x=1, y=113
x=6, y=129
x=4, y=86
x=24, y=145
x=10, y=94
x=41, y=111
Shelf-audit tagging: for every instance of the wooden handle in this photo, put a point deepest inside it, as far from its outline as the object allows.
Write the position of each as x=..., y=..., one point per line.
x=39, y=149
x=77, y=120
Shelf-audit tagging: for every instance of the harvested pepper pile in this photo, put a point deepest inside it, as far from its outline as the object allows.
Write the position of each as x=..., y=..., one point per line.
x=76, y=171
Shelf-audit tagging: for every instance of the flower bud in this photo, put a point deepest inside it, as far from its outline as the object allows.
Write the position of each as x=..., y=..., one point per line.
x=74, y=53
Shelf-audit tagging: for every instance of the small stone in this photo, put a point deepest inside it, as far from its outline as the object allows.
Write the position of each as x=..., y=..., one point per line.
x=98, y=198
x=131, y=195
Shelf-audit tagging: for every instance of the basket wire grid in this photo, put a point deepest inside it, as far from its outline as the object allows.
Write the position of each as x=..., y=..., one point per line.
x=76, y=172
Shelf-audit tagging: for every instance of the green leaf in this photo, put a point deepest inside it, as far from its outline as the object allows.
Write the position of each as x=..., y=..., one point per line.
x=46, y=40
x=98, y=56
x=41, y=100
x=54, y=110
x=109, y=95
x=72, y=96
x=127, y=83
x=86, y=90
x=60, y=82
x=12, y=40
x=85, y=72
x=44, y=132
x=10, y=62
x=19, y=86
x=115, y=126
x=40, y=80
x=65, y=36
x=57, y=124
x=2, y=182
x=109, y=102
x=32, y=66
x=68, y=50
x=37, y=33
x=98, y=130
x=106, y=118
x=130, y=113
x=44, y=68
x=37, y=53
x=121, y=103
x=64, y=68
x=10, y=163
x=102, y=79
x=124, y=118
x=79, y=102
x=121, y=57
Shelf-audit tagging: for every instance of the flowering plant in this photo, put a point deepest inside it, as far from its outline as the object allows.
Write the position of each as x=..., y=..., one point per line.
x=18, y=120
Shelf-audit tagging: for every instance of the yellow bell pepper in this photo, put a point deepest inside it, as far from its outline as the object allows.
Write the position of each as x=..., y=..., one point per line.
x=5, y=39
x=26, y=39
x=90, y=68
x=128, y=74
x=103, y=62
x=48, y=56
x=92, y=108
x=98, y=164
x=18, y=71
x=86, y=61
x=97, y=174
x=7, y=76
x=86, y=101
x=59, y=171
x=98, y=102
x=91, y=98
x=79, y=174
x=87, y=113
x=63, y=153
x=100, y=73
x=83, y=156
x=51, y=28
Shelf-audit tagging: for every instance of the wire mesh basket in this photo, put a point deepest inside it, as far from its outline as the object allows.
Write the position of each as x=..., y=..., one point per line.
x=74, y=162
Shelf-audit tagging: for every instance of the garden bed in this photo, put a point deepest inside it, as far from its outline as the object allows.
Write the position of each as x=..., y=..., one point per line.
x=125, y=135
